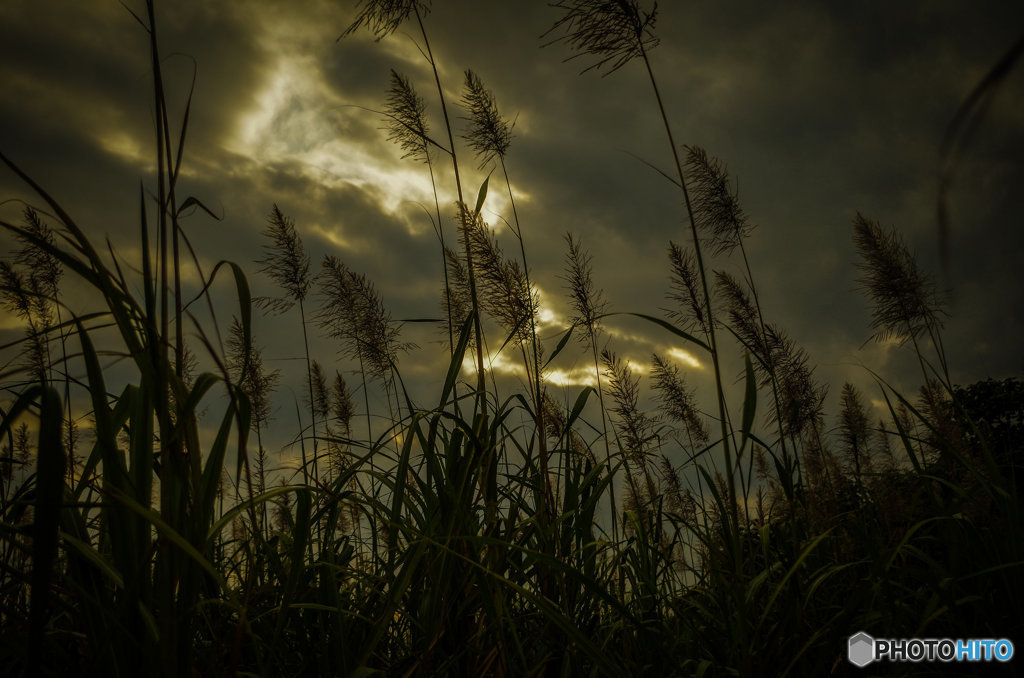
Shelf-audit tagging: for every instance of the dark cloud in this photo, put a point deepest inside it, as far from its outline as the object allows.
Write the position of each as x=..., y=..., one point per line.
x=819, y=110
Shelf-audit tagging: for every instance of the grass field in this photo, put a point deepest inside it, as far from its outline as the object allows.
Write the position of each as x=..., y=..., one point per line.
x=494, y=529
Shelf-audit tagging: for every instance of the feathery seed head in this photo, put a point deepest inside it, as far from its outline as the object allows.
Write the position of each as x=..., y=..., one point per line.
x=905, y=299
x=716, y=207
x=383, y=17
x=406, y=121
x=612, y=31
x=285, y=262
x=677, y=400
x=489, y=134
x=587, y=302
x=685, y=290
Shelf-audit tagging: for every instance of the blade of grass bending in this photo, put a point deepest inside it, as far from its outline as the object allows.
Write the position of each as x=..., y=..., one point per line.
x=237, y=510
x=662, y=323
x=455, y=366
x=558, y=349
x=207, y=490
x=244, y=297
x=106, y=434
x=749, y=405
x=41, y=334
x=481, y=195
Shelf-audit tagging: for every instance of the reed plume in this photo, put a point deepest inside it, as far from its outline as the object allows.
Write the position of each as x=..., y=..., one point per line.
x=354, y=312
x=406, y=119
x=247, y=369
x=678, y=401
x=690, y=308
x=507, y=295
x=456, y=301
x=489, y=134
x=383, y=17
x=287, y=264
x=635, y=428
x=854, y=432
x=587, y=300
x=342, y=406
x=715, y=203
x=635, y=431
x=588, y=307
x=30, y=285
x=245, y=365
x=613, y=32
x=906, y=303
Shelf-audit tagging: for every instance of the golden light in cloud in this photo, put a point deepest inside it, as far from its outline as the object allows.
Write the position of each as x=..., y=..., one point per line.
x=578, y=376
x=500, y=363
x=548, y=318
x=291, y=121
x=684, y=357
x=507, y=366
x=635, y=367
x=124, y=146
x=334, y=237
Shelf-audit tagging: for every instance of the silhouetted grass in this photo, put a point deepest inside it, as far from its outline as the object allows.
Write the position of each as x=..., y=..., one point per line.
x=453, y=539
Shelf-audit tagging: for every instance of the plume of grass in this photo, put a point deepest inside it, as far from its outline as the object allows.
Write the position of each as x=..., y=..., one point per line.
x=508, y=298
x=589, y=306
x=383, y=17
x=611, y=33
x=614, y=33
x=690, y=309
x=286, y=263
x=678, y=402
x=245, y=365
x=715, y=203
x=906, y=303
x=455, y=300
x=634, y=428
x=406, y=119
x=354, y=312
x=489, y=136
x=407, y=126
x=854, y=432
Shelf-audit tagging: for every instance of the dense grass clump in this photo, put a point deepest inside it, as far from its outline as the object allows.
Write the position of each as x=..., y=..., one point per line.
x=486, y=532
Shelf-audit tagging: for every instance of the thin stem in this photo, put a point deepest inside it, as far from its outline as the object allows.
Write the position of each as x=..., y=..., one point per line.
x=704, y=283
x=463, y=216
x=537, y=390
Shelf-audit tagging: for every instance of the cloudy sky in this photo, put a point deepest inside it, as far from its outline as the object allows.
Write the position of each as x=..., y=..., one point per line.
x=820, y=110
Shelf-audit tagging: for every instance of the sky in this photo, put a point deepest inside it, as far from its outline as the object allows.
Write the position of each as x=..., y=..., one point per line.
x=819, y=110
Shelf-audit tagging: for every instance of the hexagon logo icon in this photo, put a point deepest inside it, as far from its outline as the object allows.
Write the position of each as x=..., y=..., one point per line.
x=861, y=650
